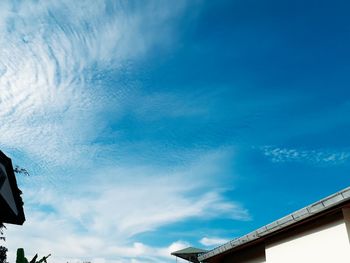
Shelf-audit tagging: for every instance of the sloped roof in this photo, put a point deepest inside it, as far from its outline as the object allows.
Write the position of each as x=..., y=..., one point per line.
x=190, y=253
x=307, y=212
x=11, y=203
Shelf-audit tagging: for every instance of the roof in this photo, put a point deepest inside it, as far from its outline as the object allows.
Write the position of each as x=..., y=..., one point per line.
x=190, y=253
x=189, y=250
x=11, y=203
x=300, y=215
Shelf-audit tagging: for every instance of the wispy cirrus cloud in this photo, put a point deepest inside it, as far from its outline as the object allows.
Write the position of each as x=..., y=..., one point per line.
x=322, y=157
x=103, y=214
x=59, y=94
x=52, y=57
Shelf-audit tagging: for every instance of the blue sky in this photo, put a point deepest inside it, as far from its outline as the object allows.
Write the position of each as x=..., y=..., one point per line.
x=149, y=126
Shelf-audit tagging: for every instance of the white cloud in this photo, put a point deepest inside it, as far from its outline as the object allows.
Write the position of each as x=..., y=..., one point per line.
x=52, y=108
x=102, y=215
x=322, y=157
x=52, y=56
x=213, y=241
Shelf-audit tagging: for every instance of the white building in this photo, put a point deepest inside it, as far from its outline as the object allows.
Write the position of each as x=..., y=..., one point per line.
x=318, y=233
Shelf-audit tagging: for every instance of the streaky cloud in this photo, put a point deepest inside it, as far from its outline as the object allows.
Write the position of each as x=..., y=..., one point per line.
x=322, y=156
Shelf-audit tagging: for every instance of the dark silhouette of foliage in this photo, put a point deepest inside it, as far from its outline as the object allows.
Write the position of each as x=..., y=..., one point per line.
x=20, y=170
x=3, y=250
x=44, y=259
x=2, y=226
x=22, y=259
x=34, y=259
x=3, y=255
x=20, y=256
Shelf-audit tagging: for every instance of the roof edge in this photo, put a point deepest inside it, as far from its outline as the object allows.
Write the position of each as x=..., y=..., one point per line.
x=288, y=220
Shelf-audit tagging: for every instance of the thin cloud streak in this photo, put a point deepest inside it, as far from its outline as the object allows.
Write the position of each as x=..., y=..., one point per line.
x=109, y=209
x=325, y=157
x=54, y=110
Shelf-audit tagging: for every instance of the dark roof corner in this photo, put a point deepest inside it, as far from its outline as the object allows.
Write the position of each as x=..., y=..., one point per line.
x=190, y=254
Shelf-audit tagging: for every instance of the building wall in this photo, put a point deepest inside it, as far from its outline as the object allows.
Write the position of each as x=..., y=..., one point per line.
x=325, y=241
x=255, y=254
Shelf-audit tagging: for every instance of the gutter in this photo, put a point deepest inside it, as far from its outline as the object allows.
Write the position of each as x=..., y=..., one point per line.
x=292, y=219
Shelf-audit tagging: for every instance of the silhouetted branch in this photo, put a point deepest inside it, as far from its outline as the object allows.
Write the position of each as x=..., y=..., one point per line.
x=3, y=250
x=20, y=170
x=2, y=226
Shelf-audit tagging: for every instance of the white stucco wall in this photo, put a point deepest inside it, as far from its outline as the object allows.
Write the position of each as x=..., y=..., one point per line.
x=323, y=240
x=322, y=244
